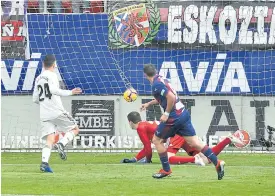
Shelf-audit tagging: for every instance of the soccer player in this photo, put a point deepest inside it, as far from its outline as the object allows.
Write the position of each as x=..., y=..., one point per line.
x=146, y=130
x=53, y=116
x=175, y=120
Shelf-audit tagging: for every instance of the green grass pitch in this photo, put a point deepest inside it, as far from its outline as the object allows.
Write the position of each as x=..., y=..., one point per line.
x=95, y=174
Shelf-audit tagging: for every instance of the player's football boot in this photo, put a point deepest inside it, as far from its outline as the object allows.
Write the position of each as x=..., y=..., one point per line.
x=234, y=139
x=45, y=167
x=162, y=174
x=199, y=160
x=220, y=169
x=61, y=150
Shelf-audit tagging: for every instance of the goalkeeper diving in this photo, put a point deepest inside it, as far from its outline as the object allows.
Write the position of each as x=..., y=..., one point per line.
x=146, y=131
x=53, y=116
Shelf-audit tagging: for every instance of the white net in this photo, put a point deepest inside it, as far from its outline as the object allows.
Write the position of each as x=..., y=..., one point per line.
x=219, y=57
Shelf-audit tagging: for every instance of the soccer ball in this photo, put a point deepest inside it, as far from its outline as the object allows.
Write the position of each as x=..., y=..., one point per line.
x=58, y=136
x=244, y=137
x=130, y=95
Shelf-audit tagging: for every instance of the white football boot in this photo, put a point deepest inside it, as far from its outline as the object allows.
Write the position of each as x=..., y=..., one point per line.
x=234, y=139
x=198, y=160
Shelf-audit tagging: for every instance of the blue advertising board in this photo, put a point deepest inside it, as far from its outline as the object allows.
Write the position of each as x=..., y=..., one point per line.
x=84, y=58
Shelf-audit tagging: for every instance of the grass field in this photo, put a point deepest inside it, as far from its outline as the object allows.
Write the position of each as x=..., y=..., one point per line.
x=101, y=174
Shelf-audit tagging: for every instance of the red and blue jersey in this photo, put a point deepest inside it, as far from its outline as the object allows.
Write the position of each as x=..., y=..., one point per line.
x=160, y=87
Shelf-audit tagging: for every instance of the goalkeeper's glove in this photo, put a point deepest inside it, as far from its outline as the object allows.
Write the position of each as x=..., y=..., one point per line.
x=133, y=160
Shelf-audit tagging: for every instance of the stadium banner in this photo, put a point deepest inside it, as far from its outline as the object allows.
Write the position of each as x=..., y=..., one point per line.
x=14, y=30
x=192, y=72
x=213, y=117
x=94, y=117
x=236, y=25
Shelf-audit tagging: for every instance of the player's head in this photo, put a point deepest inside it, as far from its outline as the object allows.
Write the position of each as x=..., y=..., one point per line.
x=150, y=71
x=49, y=61
x=134, y=118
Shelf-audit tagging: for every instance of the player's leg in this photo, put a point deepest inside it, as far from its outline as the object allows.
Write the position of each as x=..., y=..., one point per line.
x=67, y=124
x=173, y=159
x=177, y=142
x=203, y=158
x=193, y=141
x=222, y=144
x=158, y=140
x=48, y=134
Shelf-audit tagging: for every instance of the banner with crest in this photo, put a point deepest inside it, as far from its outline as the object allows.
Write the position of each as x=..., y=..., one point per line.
x=213, y=25
x=132, y=26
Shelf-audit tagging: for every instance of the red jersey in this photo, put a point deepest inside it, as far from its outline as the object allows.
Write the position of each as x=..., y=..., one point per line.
x=146, y=131
x=177, y=142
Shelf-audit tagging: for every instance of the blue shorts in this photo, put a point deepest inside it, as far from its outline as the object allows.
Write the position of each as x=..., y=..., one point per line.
x=181, y=125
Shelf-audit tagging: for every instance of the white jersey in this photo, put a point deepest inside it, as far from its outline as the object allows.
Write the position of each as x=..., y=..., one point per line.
x=47, y=94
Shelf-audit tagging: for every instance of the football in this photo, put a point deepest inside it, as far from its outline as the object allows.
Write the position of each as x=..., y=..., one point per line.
x=130, y=95
x=244, y=137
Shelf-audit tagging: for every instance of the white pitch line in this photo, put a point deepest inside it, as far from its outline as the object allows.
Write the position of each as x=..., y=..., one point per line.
x=136, y=164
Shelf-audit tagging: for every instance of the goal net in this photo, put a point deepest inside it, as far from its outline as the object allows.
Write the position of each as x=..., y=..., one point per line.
x=218, y=56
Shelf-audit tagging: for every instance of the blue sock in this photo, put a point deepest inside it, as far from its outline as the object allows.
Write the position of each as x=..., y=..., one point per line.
x=164, y=161
x=210, y=155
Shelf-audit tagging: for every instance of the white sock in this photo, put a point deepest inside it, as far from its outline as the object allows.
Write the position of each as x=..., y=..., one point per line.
x=69, y=136
x=46, y=153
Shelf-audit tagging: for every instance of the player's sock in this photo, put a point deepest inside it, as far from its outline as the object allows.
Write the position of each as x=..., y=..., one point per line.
x=210, y=155
x=46, y=153
x=164, y=161
x=69, y=136
x=220, y=146
x=181, y=160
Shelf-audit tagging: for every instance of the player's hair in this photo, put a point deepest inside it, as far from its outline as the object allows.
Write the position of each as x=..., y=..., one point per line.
x=134, y=117
x=49, y=60
x=149, y=70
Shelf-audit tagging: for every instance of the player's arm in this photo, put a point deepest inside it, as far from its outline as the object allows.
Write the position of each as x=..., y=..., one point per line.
x=54, y=89
x=170, y=97
x=146, y=105
x=35, y=95
x=154, y=101
x=147, y=149
x=145, y=152
x=170, y=102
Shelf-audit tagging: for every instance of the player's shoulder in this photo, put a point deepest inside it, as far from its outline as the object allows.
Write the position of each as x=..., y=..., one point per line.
x=158, y=81
x=148, y=125
x=142, y=126
x=45, y=75
x=50, y=75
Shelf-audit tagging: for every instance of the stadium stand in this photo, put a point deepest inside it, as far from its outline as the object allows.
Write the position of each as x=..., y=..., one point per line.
x=66, y=6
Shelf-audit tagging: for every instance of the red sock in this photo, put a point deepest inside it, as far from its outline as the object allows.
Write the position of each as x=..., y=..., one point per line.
x=181, y=160
x=220, y=146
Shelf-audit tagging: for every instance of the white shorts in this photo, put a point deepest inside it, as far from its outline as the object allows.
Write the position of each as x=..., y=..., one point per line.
x=62, y=123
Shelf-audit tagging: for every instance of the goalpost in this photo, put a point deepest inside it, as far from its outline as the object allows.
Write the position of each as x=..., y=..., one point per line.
x=218, y=56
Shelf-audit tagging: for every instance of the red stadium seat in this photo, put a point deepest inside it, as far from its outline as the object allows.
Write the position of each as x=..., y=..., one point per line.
x=95, y=6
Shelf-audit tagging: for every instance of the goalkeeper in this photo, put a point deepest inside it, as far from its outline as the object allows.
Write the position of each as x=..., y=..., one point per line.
x=146, y=131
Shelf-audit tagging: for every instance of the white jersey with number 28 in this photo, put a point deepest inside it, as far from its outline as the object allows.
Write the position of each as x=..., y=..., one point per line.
x=47, y=94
